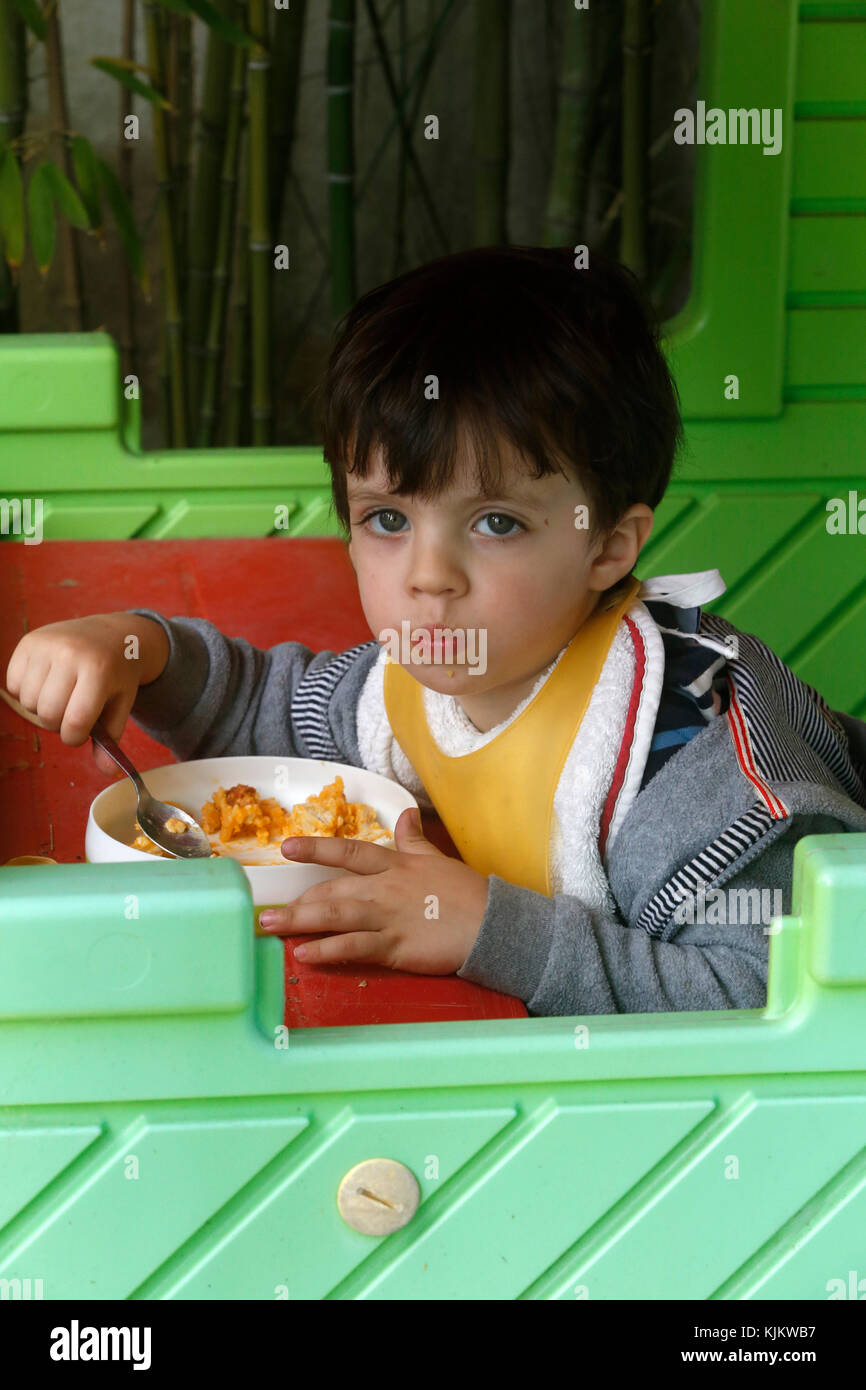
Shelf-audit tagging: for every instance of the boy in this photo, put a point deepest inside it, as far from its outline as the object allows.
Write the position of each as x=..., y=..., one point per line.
x=617, y=757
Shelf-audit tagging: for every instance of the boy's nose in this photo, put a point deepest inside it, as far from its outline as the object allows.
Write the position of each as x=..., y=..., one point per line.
x=433, y=570
x=434, y=584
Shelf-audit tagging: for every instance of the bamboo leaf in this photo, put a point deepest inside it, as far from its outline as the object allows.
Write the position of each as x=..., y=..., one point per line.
x=120, y=74
x=122, y=213
x=40, y=206
x=224, y=28
x=65, y=196
x=87, y=178
x=221, y=26
x=33, y=17
x=126, y=63
x=11, y=209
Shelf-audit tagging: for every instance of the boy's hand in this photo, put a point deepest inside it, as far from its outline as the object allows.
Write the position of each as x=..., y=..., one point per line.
x=72, y=672
x=412, y=908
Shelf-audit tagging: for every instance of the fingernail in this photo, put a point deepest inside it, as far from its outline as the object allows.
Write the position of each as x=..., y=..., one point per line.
x=299, y=952
x=267, y=919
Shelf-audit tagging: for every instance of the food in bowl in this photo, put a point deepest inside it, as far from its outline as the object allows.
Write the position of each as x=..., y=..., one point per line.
x=240, y=813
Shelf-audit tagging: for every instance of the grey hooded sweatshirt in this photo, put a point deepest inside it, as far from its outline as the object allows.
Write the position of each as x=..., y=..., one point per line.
x=702, y=822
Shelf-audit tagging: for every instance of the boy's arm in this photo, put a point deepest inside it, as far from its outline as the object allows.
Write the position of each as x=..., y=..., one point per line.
x=221, y=696
x=562, y=959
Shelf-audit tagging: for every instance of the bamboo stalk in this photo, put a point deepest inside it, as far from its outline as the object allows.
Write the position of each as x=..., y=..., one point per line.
x=637, y=52
x=405, y=131
x=286, y=51
x=125, y=153
x=399, y=261
x=567, y=192
x=417, y=85
x=604, y=196
x=13, y=107
x=238, y=358
x=491, y=124
x=172, y=316
x=261, y=246
x=222, y=260
x=67, y=246
x=179, y=88
x=204, y=199
x=341, y=153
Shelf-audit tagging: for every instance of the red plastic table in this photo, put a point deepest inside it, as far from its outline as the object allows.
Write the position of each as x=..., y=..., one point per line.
x=302, y=590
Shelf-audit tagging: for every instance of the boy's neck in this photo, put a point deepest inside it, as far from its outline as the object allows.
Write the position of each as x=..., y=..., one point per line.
x=493, y=707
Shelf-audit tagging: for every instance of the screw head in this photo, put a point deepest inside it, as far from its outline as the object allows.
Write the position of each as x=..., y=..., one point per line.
x=378, y=1196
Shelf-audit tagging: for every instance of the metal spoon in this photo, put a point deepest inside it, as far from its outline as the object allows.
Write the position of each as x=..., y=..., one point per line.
x=152, y=814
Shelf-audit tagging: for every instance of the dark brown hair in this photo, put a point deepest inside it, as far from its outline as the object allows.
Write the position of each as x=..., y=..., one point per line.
x=562, y=363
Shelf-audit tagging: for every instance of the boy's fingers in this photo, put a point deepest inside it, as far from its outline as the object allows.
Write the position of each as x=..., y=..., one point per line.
x=361, y=856
x=103, y=762
x=15, y=671
x=82, y=711
x=114, y=718
x=54, y=696
x=116, y=713
x=31, y=684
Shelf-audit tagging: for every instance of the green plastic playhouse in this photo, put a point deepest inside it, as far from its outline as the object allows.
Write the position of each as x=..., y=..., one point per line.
x=556, y=1158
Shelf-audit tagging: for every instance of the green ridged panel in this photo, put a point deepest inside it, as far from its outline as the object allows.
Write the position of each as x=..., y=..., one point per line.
x=829, y=172
x=828, y=261
x=831, y=63
x=181, y=1154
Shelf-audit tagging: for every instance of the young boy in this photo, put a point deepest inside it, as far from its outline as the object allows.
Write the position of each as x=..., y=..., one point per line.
x=500, y=425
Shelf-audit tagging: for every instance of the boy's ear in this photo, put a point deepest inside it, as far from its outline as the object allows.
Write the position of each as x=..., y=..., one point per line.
x=624, y=544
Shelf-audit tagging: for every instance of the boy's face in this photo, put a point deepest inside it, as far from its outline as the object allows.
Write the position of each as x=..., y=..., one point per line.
x=513, y=572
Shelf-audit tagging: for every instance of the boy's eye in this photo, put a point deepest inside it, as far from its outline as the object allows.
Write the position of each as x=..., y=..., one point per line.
x=388, y=513
x=502, y=519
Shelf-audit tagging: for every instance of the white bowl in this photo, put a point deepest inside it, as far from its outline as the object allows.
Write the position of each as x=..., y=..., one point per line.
x=111, y=822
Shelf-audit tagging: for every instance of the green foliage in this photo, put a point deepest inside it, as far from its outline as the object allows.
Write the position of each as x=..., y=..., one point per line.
x=11, y=209
x=33, y=17
x=40, y=207
x=122, y=214
x=224, y=28
x=121, y=72
x=65, y=196
x=86, y=167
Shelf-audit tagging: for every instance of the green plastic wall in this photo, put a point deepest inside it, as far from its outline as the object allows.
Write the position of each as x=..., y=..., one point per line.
x=156, y=1141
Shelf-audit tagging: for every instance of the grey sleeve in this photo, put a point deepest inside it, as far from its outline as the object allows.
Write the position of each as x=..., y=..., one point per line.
x=562, y=959
x=220, y=696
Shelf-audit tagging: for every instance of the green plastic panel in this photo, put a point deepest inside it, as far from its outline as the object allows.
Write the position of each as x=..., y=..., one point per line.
x=556, y=1157
x=742, y=196
x=828, y=262
x=829, y=166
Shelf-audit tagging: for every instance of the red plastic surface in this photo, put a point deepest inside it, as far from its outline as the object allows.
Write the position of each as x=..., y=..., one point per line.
x=265, y=590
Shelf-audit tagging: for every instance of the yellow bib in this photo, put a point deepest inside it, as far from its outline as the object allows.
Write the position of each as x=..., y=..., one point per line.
x=497, y=802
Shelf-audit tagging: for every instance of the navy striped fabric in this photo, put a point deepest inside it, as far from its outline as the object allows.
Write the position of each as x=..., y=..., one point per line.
x=693, y=676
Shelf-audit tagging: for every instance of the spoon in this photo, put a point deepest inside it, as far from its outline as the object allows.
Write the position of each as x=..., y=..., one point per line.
x=152, y=815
